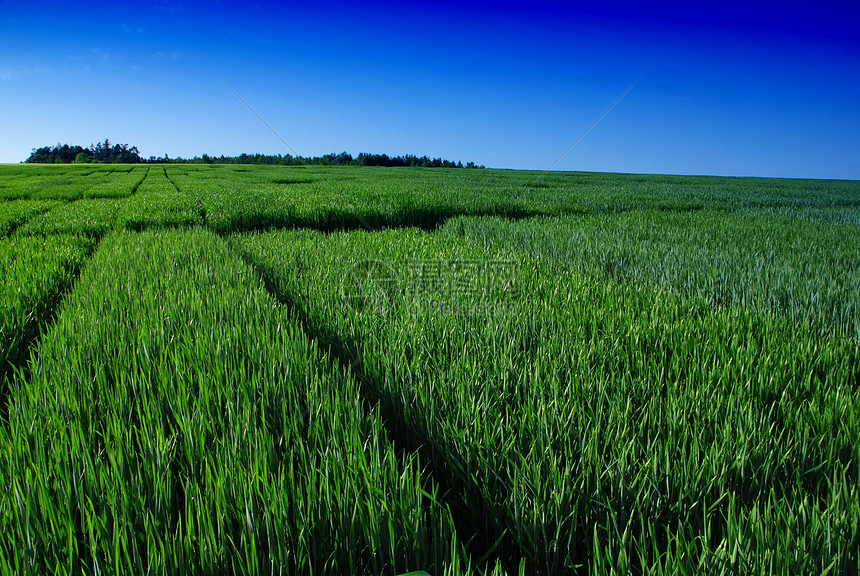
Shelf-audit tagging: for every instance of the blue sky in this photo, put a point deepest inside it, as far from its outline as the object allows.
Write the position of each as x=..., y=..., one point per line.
x=752, y=89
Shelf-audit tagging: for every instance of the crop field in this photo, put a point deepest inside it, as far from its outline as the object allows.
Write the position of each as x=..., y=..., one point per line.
x=341, y=370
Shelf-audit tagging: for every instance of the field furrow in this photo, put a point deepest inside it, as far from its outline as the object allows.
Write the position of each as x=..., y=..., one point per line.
x=587, y=422
x=157, y=203
x=17, y=212
x=36, y=272
x=807, y=270
x=338, y=369
x=89, y=217
x=177, y=420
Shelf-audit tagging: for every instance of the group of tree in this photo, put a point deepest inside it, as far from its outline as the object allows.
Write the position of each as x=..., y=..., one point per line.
x=342, y=159
x=104, y=152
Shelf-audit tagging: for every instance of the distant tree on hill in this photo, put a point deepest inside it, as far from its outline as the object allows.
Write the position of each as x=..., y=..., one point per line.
x=105, y=152
x=101, y=152
x=59, y=154
x=342, y=159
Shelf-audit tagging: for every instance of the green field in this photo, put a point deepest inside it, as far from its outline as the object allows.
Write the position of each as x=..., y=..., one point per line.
x=259, y=370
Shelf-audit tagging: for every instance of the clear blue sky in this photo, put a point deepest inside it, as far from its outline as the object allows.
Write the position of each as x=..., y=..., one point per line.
x=746, y=89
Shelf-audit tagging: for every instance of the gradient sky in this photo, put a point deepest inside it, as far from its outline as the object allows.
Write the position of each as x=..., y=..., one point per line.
x=746, y=89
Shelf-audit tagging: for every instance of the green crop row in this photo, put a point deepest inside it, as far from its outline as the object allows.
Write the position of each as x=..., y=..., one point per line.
x=834, y=214
x=72, y=186
x=805, y=269
x=597, y=373
x=72, y=183
x=158, y=203
x=230, y=204
x=423, y=197
x=340, y=197
x=233, y=198
x=35, y=271
x=14, y=213
x=92, y=217
x=120, y=185
x=588, y=424
x=178, y=420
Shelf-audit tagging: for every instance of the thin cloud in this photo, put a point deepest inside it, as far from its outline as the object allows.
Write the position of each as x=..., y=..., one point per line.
x=18, y=73
x=104, y=57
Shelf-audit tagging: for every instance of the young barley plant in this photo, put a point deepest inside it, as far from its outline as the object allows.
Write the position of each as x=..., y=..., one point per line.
x=178, y=420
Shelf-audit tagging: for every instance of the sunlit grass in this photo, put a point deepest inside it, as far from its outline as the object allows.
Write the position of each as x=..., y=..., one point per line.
x=805, y=269
x=585, y=373
x=178, y=420
x=602, y=424
x=35, y=271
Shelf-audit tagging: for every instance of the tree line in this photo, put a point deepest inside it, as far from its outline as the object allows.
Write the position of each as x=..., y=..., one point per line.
x=102, y=152
x=105, y=152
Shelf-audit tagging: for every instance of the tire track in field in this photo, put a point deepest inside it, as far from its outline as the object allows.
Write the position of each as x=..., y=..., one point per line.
x=17, y=364
x=201, y=209
x=468, y=510
x=13, y=226
x=40, y=318
x=426, y=220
